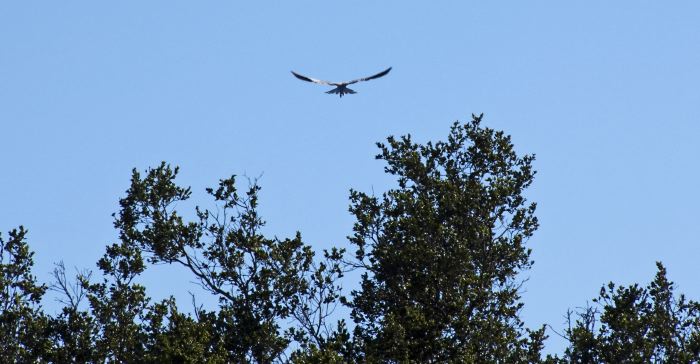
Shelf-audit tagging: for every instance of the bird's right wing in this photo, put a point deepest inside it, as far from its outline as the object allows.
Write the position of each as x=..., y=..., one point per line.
x=309, y=79
x=380, y=74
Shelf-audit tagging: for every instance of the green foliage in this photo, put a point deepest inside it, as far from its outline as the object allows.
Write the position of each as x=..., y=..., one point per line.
x=260, y=281
x=336, y=348
x=118, y=305
x=441, y=252
x=73, y=335
x=22, y=322
x=439, y=257
x=636, y=325
x=178, y=338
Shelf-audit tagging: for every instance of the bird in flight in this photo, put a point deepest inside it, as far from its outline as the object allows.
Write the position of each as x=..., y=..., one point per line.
x=341, y=88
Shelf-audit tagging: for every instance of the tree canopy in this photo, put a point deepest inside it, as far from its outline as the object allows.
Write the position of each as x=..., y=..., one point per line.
x=441, y=252
x=440, y=256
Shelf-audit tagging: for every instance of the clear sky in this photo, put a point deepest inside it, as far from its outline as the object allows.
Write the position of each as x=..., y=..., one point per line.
x=604, y=93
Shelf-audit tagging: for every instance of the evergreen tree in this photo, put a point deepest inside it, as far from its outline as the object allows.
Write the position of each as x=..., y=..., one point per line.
x=441, y=253
x=22, y=322
x=636, y=324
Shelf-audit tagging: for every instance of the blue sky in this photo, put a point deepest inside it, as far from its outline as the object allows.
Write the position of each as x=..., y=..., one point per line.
x=604, y=93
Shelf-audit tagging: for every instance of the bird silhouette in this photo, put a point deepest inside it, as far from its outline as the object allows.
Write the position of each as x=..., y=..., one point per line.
x=341, y=88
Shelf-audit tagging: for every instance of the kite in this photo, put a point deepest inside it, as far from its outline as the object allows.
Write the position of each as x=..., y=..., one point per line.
x=341, y=88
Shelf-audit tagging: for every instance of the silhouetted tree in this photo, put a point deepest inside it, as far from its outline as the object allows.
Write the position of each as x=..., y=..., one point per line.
x=73, y=332
x=636, y=325
x=260, y=281
x=440, y=257
x=119, y=306
x=441, y=252
x=22, y=322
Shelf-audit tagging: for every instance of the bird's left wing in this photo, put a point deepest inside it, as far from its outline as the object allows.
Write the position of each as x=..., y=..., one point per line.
x=380, y=74
x=309, y=79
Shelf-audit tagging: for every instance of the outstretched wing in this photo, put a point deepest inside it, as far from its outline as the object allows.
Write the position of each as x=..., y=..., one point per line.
x=380, y=74
x=309, y=79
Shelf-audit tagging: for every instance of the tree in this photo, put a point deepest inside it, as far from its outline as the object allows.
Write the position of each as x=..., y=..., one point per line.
x=174, y=337
x=73, y=332
x=636, y=325
x=22, y=322
x=119, y=305
x=260, y=281
x=441, y=253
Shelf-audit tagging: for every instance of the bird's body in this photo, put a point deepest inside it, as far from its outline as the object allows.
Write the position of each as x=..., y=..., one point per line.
x=341, y=88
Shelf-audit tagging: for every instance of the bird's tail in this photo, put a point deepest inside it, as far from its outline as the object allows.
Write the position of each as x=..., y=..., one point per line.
x=341, y=91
